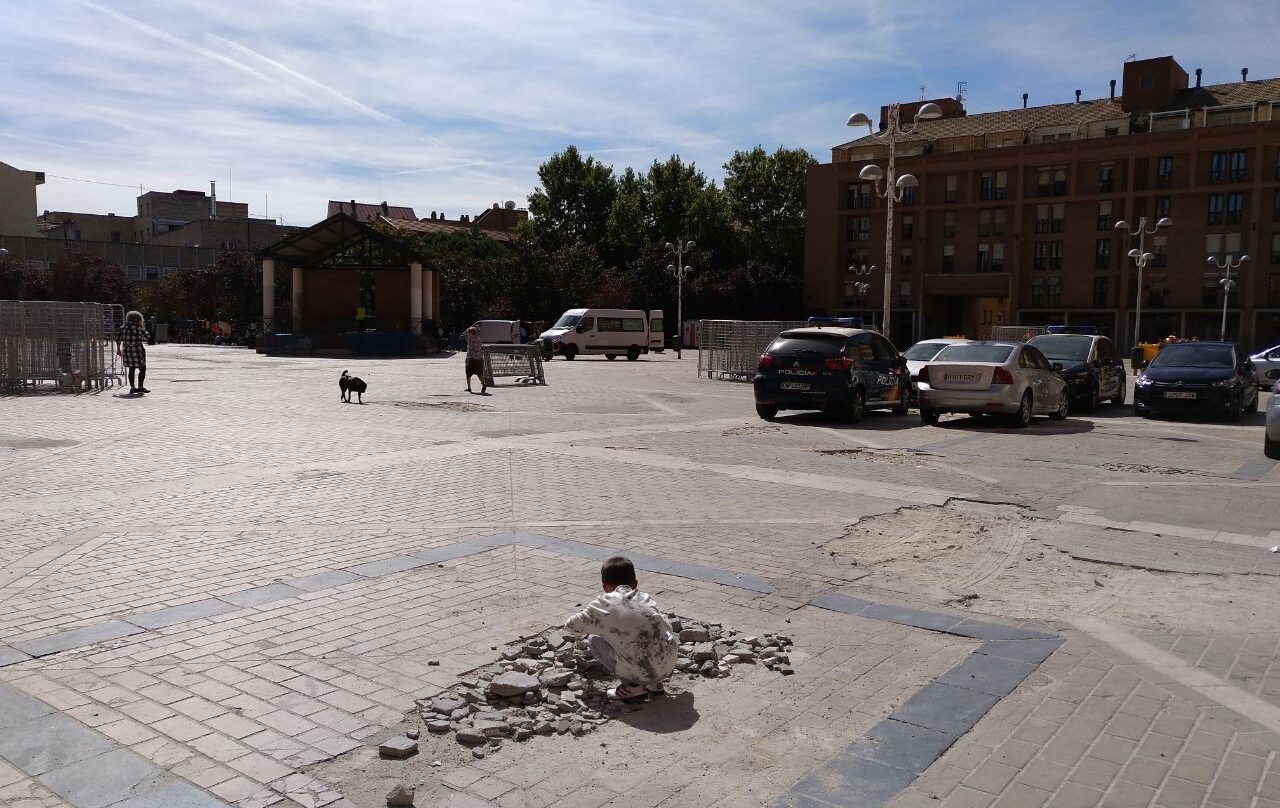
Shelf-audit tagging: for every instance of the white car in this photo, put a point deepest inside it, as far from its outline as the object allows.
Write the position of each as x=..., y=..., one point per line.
x=925, y=350
x=1266, y=360
x=1271, y=442
x=1009, y=378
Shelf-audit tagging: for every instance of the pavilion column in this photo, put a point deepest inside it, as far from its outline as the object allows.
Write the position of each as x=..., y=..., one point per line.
x=434, y=305
x=268, y=295
x=415, y=297
x=429, y=297
x=297, y=300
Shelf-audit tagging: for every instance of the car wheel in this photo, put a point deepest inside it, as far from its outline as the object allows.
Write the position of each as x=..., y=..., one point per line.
x=766, y=412
x=1271, y=448
x=1094, y=399
x=569, y=352
x=902, y=406
x=929, y=416
x=1063, y=406
x=1257, y=401
x=1237, y=411
x=633, y=353
x=611, y=356
x=1022, y=417
x=1121, y=391
x=857, y=406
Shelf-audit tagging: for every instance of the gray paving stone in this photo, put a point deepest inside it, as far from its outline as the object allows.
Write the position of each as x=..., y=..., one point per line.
x=77, y=638
x=11, y=656
x=1033, y=651
x=50, y=742
x=906, y=616
x=698, y=572
x=837, y=602
x=172, y=794
x=102, y=779
x=987, y=630
x=259, y=595
x=941, y=707
x=322, y=580
x=903, y=746
x=581, y=550
x=854, y=781
x=535, y=539
x=995, y=676
x=17, y=707
x=448, y=553
x=182, y=613
x=386, y=566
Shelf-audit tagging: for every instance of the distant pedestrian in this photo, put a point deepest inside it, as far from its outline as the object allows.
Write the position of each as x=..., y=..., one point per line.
x=475, y=358
x=132, y=349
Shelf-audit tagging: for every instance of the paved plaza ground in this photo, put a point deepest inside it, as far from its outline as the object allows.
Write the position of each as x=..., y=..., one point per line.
x=230, y=591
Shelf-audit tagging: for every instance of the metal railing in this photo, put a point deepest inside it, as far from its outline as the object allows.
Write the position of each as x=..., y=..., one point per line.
x=730, y=349
x=1017, y=333
x=523, y=362
x=68, y=345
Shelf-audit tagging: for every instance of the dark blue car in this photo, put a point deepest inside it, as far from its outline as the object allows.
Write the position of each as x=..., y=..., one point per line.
x=1206, y=378
x=841, y=371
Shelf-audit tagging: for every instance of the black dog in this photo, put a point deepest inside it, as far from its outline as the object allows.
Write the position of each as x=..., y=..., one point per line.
x=352, y=384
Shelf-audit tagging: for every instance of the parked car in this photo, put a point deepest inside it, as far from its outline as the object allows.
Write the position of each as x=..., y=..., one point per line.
x=1264, y=361
x=841, y=371
x=1210, y=378
x=612, y=332
x=983, y=377
x=925, y=350
x=1090, y=366
x=1271, y=440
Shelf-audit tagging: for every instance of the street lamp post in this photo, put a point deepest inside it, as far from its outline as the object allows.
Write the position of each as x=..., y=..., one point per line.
x=890, y=186
x=679, y=269
x=1226, y=266
x=1141, y=258
x=860, y=288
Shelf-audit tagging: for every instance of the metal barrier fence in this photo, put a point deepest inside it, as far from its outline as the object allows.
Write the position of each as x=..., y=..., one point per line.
x=71, y=345
x=730, y=349
x=523, y=362
x=1017, y=333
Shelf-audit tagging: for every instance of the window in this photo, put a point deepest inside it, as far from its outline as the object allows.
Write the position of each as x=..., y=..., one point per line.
x=1041, y=256
x=953, y=185
x=1162, y=207
x=1214, y=215
x=908, y=226
x=1277, y=169
x=1106, y=178
x=909, y=195
x=1111, y=131
x=1273, y=289
x=115, y=236
x=153, y=273
x=1237, y=166
x=1053, y=291
x=1037, y=293
x=1275, y=248
x=1100, y=291
x=1160, y=250
x=133, y=272
x=983, y=263
x=1209, y=288
x=1055, y=255
x=1275, y=206
x=987, y=186
x=906, y=256
x=1223, y=246
x=1102, y=254
x=1059, y=221
x=984, y=222
x=904, y=293
x=1104, y=215
x=997, y=222
x=997, y=257
x=1043, y=213
x=1002, y=183
x=949, y=224
x=948, y=258
x=1164, y=172
x=858, y=228
x=1059, y=181
x=1218, y=167
x=1235, y=208
x=861, y=195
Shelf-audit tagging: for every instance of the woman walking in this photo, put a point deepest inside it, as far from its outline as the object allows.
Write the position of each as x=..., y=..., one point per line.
x=475, y=358
x=131, y=346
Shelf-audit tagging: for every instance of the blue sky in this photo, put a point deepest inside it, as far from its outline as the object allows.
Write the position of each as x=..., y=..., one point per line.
x=452, y=106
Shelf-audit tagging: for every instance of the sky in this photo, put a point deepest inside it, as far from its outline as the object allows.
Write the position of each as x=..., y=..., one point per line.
x=450, y=106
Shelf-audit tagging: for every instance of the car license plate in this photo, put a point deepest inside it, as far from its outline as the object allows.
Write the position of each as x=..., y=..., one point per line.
x=1172, y=394
x=795, y=385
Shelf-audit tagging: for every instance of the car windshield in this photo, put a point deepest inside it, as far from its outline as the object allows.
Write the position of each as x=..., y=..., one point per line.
x=1191, y=355
x=1063, y=347
x=567, y=321
x=827, y=346
x=996, y=354
x=924, y=351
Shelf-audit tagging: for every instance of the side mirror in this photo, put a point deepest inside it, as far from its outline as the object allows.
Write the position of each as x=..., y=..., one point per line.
x=1057, y=367
x=1143, y=365
x=1272, y=375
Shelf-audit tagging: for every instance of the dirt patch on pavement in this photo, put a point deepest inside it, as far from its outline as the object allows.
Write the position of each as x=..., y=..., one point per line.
x=752, y=430
x=983, y=558
x=889, y=457
x=448, y=406
x=1141, y=468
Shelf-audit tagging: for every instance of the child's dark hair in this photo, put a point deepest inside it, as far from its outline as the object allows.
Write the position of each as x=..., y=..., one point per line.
x=618, y=571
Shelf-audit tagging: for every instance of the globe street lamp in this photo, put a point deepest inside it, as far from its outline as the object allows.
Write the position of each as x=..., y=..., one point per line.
x=1227, y=283
x=680, y=269
x=1141, y=258
x=860, y=288
x=889, y=185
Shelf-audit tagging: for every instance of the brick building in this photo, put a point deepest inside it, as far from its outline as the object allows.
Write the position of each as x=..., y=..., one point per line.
x=1013, y=222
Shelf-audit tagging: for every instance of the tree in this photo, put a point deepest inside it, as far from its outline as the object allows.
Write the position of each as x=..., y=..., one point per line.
x=573, y=201
x=20, y=282
x=765, y=197
x=90, y=278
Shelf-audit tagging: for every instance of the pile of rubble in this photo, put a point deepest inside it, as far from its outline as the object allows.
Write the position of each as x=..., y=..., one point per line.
x=551, y=684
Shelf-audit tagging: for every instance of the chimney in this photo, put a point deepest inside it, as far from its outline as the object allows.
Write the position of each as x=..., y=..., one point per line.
x=1244, y=74
x=385, y=210
x=1077, y=96
x=213, y=199
x=353, y=209
x=1113, y=89
x=1025, y=96
x=433, y=215
x=1198, y=72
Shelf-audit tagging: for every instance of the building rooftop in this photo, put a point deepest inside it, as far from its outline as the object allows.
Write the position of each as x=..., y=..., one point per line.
x=443, y=226
x=367, y=212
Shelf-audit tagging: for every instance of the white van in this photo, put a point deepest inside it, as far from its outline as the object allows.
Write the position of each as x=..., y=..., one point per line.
x=505, y=332
x=612, y=332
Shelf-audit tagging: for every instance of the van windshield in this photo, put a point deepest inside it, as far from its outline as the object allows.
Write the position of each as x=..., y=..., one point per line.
x=567, y=321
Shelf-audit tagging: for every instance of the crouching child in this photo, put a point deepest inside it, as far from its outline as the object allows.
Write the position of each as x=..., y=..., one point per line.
x=628, y=634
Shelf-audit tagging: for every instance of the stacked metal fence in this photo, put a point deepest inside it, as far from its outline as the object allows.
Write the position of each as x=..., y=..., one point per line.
x=1017, y=333
x=70, y=346
x=524, y=362
x=730, y=349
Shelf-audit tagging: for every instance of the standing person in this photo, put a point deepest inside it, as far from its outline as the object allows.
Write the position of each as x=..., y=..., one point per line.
x=131, y=346
x=475, y=358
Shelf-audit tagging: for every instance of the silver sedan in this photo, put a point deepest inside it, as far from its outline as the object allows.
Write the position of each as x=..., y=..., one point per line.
x=1267, y=360
x=1271, y=442
x=1008, y=378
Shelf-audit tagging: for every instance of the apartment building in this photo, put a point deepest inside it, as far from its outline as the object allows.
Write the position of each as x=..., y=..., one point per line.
x=1014, y=218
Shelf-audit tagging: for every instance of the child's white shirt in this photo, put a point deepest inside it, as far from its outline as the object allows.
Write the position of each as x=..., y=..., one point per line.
x=645, y=648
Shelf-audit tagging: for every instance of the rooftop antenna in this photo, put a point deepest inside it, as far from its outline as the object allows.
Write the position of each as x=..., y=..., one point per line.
x=1131, y=57
x=921, y=92
x=962, y=87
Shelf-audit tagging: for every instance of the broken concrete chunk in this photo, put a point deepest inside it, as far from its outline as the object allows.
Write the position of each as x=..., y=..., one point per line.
x=400, y=795
x=694, y=635
x=555, y=678
x=438, y=727
x=512, y=683
x=470, y=737
x=398, y=747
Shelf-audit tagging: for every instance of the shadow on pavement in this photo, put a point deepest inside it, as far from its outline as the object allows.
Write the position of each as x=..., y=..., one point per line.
x=665, y=714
